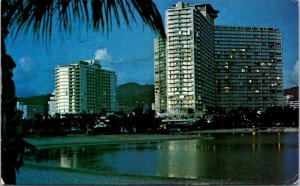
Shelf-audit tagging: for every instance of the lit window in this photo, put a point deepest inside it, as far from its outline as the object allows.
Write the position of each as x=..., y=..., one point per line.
x=226, y=89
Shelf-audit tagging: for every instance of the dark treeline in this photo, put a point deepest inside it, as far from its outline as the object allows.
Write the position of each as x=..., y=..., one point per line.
x=146, y=122
x=217, y=118
x=85, y=123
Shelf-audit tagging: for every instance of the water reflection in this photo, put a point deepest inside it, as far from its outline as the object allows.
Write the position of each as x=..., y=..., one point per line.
x=253, y=159
x=69, y=159
x=175, y=155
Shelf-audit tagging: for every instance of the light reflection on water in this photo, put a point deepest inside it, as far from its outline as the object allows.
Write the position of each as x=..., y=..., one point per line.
x=247, y=158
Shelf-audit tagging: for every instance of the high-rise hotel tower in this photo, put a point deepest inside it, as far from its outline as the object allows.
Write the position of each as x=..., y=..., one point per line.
x=207, y=65
x=249, y=67
x=84, y=87
x=160, y=80
x=189, y=61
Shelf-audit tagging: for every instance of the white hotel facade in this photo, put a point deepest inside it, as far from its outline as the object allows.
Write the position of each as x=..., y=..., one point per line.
x=189, y=57
x=85, y=87
x=207, y=65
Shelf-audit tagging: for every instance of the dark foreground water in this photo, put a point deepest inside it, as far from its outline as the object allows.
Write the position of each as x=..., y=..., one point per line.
x=240, y=158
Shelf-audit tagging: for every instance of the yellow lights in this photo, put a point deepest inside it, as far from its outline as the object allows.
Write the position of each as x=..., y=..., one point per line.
x=279, y=145
x=226, y=65
x=273, y=84
x=256, y=91
x=226, y=89
x=249, y=81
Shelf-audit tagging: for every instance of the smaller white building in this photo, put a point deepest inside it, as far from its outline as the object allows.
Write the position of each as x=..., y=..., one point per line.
x=290, y=101
x=29, y=111
x=51, y=105
x=84, y=87
x=23, y=108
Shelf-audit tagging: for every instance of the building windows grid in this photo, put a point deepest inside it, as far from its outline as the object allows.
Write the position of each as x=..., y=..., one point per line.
x=226, y=66
x=84, y=92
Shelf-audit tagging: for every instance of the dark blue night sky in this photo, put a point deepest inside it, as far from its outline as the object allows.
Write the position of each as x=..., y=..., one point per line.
x=129, y=52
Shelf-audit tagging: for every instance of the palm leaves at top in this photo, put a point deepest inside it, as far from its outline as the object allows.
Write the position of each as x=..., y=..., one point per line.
x=39, y=15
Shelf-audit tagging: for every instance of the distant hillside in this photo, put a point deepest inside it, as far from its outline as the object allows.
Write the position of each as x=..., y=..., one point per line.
x=129, y=96
x=292, y=91
x=35, y=100
x=133, y=95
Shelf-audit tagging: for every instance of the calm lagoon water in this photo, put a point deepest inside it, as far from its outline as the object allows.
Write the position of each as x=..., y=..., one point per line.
x=239, y=158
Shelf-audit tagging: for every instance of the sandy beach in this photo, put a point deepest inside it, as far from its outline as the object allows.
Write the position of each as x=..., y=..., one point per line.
x=35, y=174
x=39, y=175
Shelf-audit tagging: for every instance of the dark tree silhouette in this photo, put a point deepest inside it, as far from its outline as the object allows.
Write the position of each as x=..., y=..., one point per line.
x=190, y=112
x=19, y=16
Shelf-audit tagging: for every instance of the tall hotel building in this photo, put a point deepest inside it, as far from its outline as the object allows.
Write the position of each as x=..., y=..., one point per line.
x=208, y=65
x=189, y=59
x=84, y=87
x=249, y=67
x=160, y=83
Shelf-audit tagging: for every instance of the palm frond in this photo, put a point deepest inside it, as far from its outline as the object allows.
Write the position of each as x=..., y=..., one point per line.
x=149, y=13
x=39, y=15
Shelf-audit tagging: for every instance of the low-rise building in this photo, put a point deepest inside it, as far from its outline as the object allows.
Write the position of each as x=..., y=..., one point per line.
x=30, y=110
x=51, y=105
x=291, y=97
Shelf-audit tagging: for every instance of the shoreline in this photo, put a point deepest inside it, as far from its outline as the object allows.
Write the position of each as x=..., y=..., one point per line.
x=251, y=130
x=33, y=173
x=76, y=139
x=47, y=142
